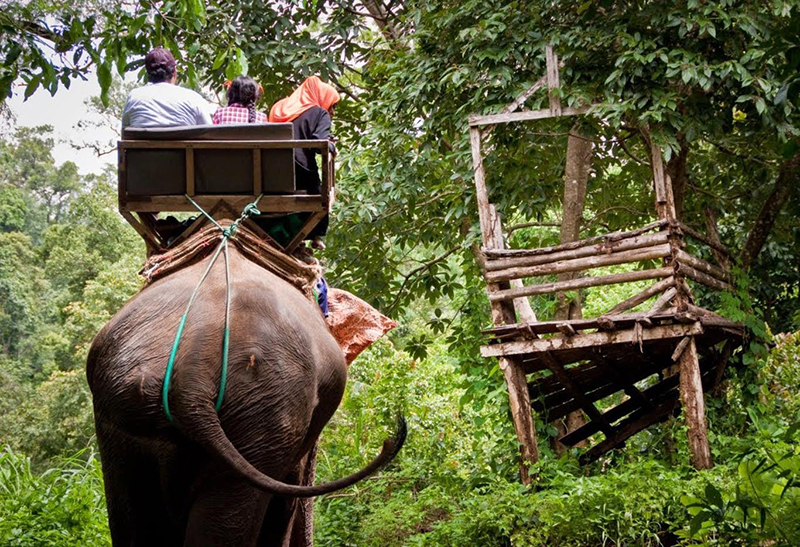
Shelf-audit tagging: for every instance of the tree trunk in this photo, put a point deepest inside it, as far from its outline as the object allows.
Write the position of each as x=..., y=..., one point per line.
x=787, y=177
x=676, y=169
x=576, y=177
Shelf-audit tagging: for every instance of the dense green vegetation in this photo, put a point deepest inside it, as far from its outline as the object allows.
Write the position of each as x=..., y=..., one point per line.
x=716, y=82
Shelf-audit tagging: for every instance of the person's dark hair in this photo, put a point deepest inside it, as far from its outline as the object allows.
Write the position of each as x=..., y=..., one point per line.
x=160, y=65
x=244, y=91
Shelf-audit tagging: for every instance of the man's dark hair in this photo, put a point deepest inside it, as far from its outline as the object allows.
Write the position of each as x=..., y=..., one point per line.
x=160, y=65
x=244, y=91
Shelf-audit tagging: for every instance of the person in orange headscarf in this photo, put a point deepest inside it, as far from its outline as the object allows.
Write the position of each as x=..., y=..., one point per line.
x=309, y=109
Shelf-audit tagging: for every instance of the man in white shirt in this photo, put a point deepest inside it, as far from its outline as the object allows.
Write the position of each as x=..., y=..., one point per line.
x=161, y=103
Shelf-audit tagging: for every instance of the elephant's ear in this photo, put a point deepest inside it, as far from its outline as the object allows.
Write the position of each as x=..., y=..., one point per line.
x=354, y=324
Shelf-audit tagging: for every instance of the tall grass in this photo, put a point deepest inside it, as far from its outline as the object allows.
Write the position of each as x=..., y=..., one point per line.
x=63, y=505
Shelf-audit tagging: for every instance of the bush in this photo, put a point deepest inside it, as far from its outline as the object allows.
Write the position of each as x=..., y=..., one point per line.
x=63, y=506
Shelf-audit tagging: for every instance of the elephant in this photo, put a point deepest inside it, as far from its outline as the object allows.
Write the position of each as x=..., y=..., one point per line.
x=235, y=477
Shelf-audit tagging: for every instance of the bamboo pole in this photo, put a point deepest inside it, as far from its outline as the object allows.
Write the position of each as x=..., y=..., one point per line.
x=580, y=264
x=546, y=288
x=590, y=250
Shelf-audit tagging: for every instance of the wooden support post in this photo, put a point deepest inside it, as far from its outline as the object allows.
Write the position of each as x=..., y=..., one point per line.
x=190, y=171
x=481, y=193
x=257, y=185
x=511, y=367
x=691, y=390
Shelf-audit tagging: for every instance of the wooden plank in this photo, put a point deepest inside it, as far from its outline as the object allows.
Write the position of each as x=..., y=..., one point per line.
x=519, y=101
x=699, y=264
x=309, y=225
x=603, y=238
x=494, y=119
x=546, y=327
x=582, y=283
x=553, y=81
x=628, y=244
x=267, y=204
x=702, y=278
x=190, y=171
x=581, y=264
x=590, y=339
x=662, y=301
x=643, y=296
x=122, y=178
x=232, y=144
x=257, y=172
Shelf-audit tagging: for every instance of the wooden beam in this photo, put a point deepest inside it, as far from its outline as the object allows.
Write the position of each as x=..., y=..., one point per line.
x=699, y=264
x=581, y=264
x=605, y=239
x=309, y=225
x=150, y=238
x=702, y=278
x=566, y=380
x=652, y=393
x=553, y=81
x=627, y=428
x=584, y=282
x=590, y=340
x=649, y=240
x=268, y=204
x=643, y=296
x=258, y=145
x=189, y=171
x=511, y=367
x=494, y=119
x=703, y=239
x=257, y=182
x=691, y=391
x=481, y=193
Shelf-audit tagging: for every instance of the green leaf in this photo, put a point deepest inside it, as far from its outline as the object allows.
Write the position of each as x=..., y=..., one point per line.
x=219, y=59
x=713, y=496
x=104, y=79
x=33, y=83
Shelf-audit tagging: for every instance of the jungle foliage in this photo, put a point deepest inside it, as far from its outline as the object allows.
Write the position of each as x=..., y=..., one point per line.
x=714, y=82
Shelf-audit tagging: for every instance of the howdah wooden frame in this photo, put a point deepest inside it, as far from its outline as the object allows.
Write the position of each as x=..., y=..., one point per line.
x=138, y=210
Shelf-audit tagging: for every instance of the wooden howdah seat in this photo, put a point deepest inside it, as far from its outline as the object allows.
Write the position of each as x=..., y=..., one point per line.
x=222, y=168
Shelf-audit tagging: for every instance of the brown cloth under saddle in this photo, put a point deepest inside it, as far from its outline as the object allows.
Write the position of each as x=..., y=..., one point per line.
x=353, y=323
x=301, y=275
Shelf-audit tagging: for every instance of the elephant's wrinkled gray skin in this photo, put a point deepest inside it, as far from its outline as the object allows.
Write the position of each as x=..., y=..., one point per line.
x=215, y=479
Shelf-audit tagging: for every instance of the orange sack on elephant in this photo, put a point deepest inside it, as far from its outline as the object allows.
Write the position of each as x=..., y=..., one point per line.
x=353, y=323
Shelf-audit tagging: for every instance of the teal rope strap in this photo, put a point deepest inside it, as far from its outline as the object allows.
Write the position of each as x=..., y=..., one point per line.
x=250, y=209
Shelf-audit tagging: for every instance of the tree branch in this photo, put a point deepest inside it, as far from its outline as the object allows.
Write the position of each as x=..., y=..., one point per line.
x=416, y=271
x=787, y=178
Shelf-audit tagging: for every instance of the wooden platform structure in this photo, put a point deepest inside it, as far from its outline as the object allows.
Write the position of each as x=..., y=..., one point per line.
x=680, y=347
x=222, y=168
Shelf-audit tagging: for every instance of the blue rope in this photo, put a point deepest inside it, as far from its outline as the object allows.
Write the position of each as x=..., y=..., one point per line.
x=227, y=233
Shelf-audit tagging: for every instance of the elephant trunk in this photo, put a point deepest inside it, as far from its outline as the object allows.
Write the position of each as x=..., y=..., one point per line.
x=206, y=429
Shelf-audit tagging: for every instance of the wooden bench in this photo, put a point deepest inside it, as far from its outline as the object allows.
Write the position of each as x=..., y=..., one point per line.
x=222, y=168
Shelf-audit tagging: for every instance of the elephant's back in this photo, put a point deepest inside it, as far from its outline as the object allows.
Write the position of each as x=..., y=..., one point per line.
x=277, y=338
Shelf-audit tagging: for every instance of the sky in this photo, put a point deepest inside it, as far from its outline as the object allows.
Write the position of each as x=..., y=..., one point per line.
x=63, y=112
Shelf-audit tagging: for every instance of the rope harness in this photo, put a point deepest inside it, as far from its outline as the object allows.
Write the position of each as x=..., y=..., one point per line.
x=227, y=233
